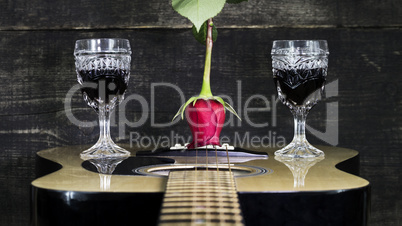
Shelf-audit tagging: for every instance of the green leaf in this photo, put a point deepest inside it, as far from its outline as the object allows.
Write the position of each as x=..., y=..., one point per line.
x=201, y=36
x=178, y=112
x=187, y=103
x=231, y=109
x=183, y=107
x=198, y=11
x=195, y=100
x=235, y=1
x=226, y=105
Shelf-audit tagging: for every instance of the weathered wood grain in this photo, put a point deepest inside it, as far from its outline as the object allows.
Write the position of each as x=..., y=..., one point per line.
x=37, y=71
x=74, y=14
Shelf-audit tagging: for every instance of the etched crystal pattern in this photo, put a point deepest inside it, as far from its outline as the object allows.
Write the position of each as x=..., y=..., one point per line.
x=113, y=66
x=103, y=64
x=299, y=68
x=300, y=80
x=300, y=51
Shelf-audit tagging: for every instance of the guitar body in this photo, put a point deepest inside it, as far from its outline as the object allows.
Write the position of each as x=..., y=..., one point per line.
x=69, y=191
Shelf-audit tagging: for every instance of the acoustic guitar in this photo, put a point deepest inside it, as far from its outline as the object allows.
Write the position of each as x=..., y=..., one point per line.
x=207, y=186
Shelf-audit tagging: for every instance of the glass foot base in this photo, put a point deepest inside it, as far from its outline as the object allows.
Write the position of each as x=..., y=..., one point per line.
x=104, y=150
x=299, y=150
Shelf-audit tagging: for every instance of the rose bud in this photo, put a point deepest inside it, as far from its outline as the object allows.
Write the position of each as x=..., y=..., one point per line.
x=205, y=118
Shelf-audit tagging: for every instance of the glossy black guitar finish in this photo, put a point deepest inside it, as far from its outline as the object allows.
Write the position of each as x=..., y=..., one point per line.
x=71, y=192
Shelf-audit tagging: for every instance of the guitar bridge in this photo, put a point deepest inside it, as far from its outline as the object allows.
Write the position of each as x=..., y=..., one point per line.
x=224, y=146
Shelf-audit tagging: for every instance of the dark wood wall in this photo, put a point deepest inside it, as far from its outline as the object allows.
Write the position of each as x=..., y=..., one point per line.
x=37, y=71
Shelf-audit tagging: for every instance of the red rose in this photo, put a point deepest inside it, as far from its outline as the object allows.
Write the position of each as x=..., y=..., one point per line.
x=205, y=118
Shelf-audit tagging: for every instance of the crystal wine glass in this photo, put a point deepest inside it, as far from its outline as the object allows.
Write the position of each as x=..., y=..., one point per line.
x=103, y=71
x=299, y=70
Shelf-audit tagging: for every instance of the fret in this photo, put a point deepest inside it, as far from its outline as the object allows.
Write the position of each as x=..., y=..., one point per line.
x=190, y=222
x=177, y=206
x=190, y=213
x=217, y=210
x=201, y=206
x=200, y=197
x=200, y=203
x=186, y=195
x=216, y=188
x=186, y=222
x=216, y=198
x=203, y=183
x=187, y=215
x=213, y=180
x=201, y=190
x=190, y=216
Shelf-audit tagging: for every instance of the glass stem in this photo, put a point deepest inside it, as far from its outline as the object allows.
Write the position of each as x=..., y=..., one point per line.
x=300, y=126
x=104, y=125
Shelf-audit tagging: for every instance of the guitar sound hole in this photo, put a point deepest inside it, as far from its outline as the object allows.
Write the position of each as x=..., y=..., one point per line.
x=238, y=170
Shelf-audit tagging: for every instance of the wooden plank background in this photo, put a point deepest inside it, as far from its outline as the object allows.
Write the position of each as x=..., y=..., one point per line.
x=37, y=70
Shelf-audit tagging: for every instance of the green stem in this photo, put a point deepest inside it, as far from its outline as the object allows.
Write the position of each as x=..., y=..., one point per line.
x=206, y=85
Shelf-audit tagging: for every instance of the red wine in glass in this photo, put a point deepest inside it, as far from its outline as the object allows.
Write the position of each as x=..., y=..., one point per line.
x=299, y=71
x=103, y=86
x=299, y=87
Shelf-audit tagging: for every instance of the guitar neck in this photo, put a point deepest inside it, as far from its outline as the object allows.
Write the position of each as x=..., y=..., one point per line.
x=201, y=197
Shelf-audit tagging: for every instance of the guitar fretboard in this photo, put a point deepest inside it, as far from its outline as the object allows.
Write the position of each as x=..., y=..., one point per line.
x=200, y=197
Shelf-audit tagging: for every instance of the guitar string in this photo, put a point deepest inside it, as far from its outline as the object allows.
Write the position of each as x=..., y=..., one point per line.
x=206, y=157
x=194, y=218
x=220, y=197
x=185, y=177
x=231, y=178
x=207, y=182
x=194, y=207
x=183, y=183
x=228, y=160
